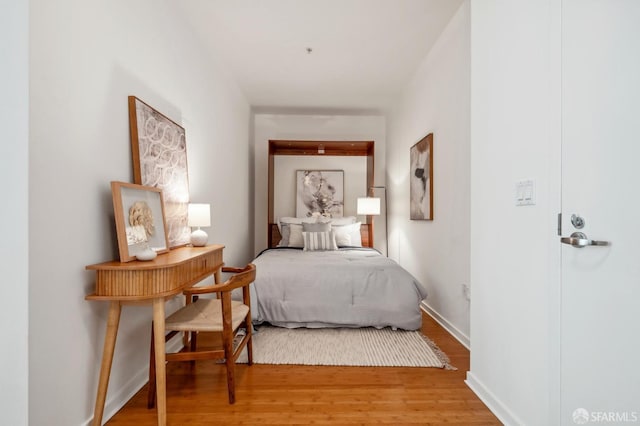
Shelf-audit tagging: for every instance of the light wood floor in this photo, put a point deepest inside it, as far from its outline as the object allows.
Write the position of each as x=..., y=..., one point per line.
x=281, y=395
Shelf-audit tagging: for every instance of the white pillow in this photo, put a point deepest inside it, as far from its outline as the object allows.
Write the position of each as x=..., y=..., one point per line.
x=348, y=235
x=346, y=220
x=295, y=236
x=316, y=227
x=283, y=221
x=319, y=241
x=283, y=227
x=339, y=221
x=343, y=239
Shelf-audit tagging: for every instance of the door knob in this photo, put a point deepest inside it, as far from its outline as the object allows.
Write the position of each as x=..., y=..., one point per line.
x=580, y=240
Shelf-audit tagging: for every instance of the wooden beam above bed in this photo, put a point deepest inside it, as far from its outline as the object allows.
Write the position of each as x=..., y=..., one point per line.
x=295, y=147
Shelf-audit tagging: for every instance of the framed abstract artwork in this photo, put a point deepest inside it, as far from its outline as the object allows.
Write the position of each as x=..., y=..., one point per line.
x=421, y=179
x=140, y=221
x=319, y=192
x=159, y=149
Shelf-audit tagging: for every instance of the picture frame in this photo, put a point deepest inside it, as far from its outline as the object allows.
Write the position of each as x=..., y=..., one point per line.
x=140, y=219
x=319, y=192
x=421, y=179
x=159, y=151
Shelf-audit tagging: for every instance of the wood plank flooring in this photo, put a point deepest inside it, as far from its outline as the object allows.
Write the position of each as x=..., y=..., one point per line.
x=287, y=395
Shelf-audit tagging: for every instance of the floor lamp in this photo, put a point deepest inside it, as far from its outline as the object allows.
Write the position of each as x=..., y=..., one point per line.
x=370, y=206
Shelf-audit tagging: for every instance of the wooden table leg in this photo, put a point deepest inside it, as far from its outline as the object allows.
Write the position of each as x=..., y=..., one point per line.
x=161, y=379
x=113, y=322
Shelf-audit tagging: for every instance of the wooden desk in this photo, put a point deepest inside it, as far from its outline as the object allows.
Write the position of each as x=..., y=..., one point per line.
x=150, y=282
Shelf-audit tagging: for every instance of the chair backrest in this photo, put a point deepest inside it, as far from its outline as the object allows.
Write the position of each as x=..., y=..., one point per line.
x=240, y=278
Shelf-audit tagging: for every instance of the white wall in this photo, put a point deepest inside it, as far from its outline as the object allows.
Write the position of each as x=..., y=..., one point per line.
x=514, y=136
x=85, y=59
x=310, y=127
x=437, y=100
x=14, y=115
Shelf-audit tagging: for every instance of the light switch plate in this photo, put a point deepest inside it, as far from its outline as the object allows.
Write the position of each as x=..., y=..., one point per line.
x=525, y=193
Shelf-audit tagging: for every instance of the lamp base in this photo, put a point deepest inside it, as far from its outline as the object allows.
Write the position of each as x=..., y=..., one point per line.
x=199, y=238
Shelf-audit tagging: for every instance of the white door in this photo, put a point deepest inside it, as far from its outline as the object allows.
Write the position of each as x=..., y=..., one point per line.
x=600, y=306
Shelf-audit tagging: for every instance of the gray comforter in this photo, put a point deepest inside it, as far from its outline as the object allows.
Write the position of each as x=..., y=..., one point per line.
x=343, y=288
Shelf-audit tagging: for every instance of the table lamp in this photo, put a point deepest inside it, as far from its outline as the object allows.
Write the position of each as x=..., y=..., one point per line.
x=199, y=215
x=369, y=206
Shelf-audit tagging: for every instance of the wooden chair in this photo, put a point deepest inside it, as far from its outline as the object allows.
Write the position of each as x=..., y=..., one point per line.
x=221, y=315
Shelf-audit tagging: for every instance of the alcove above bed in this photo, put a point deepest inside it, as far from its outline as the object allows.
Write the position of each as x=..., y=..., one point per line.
x=317, y=148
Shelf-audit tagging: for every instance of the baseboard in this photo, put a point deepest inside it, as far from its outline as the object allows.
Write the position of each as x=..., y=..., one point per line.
x=126, y=392
x=494, y=404
x=452, y=329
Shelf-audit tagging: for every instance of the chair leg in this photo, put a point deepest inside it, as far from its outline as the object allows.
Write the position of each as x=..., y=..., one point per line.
x=194, y=337
x=231, y=381
x=193, y=345
x=227, y=341
x=249, y=340
x=151, y=395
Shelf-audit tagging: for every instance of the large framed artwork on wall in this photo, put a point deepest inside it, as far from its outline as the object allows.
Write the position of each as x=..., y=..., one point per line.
x=319, y=192
x=421, y=179
x=159, y=150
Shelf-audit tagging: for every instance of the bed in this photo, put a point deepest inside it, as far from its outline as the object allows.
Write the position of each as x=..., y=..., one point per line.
x=306, y=284
x=349, y=285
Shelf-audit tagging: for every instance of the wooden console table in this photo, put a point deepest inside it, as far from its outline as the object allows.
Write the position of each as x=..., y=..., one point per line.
x=151, y=282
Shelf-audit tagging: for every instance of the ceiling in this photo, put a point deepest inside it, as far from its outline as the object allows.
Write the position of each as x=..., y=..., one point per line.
x=363, y=52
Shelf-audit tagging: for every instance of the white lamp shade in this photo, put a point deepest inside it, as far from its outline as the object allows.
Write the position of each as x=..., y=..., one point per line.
x=368, y=206
x=199, y=215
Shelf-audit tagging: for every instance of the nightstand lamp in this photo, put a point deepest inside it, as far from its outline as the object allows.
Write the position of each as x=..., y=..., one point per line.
x=369, y=206
x=199, y=215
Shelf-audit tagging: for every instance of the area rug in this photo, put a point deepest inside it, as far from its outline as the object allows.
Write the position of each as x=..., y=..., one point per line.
x=345, y=347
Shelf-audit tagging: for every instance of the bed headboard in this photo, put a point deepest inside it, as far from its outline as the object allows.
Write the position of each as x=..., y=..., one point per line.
x=365, y=233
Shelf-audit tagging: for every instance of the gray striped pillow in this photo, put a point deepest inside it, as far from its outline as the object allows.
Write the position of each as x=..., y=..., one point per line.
x=316, y=241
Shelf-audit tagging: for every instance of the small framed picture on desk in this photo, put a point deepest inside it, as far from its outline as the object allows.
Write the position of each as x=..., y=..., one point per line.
x=140, y=221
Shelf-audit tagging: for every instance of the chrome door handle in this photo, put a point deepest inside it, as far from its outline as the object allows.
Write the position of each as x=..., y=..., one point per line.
x=580, y=240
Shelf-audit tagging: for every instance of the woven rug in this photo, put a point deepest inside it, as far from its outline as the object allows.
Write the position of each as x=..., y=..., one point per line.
x=345, y=347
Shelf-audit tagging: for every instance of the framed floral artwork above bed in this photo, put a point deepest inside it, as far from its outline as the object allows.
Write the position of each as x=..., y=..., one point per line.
x=319, y=192
x=421, y=179
x=159, y=149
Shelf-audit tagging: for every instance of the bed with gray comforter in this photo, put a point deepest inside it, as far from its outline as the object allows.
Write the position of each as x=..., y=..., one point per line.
x=356, y=287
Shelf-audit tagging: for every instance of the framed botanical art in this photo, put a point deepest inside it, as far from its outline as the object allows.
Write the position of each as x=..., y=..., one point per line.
x=159, y=149
x=421, y=179
x=140, y=221
x=319, y=192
